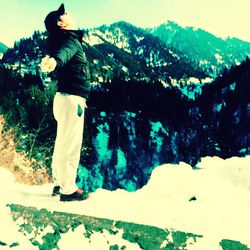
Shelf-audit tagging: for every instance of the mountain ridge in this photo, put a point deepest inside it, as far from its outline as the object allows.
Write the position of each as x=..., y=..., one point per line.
x=168, y=53
x=206, y=49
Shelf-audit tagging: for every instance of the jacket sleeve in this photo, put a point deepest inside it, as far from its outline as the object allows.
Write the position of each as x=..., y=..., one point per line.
x=66, y=51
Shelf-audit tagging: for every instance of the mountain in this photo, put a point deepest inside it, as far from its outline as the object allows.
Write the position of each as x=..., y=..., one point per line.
x=206, y=50
x=168, y=53
x=120, y=50
x=161, y=61
x=3, y=49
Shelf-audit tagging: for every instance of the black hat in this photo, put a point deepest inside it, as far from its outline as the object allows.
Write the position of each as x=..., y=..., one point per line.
x=53, y=17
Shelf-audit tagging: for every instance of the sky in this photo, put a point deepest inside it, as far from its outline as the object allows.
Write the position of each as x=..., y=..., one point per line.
x=220, y=211
x=20, y=18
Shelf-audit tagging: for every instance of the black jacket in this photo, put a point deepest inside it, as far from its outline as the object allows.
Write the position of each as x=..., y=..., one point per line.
x=72, y=66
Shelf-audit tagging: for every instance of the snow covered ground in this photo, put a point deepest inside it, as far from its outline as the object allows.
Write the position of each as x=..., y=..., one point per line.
x=213, y=201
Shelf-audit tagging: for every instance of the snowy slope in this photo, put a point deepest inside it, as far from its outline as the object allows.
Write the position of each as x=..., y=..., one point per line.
x=213, y=201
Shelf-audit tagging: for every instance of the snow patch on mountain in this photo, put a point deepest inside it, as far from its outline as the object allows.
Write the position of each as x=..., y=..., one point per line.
x=117, y=38
x=92, y=39
x=173, y=54
x=138, y=38
x=219, y=58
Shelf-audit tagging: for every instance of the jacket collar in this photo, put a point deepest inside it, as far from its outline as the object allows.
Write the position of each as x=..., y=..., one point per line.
x=75, y=33
x=62, y=34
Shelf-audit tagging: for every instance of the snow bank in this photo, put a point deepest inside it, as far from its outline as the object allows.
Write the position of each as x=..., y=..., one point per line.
x=213, y=201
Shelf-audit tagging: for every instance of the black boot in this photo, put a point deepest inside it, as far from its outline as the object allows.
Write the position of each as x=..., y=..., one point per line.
x=56, y=191
x=78, y=195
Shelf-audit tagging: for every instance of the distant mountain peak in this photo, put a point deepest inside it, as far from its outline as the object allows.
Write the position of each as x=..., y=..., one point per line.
x=204, y=49
x=170, y=22
x=3, y=48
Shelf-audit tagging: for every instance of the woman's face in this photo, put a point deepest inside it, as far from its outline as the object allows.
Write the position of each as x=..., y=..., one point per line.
x=67, y=22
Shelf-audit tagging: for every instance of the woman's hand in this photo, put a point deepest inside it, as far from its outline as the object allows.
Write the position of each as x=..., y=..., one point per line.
x=48, y=64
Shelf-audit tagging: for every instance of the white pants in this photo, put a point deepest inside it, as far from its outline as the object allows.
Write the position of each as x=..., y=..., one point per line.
x=69, y=113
